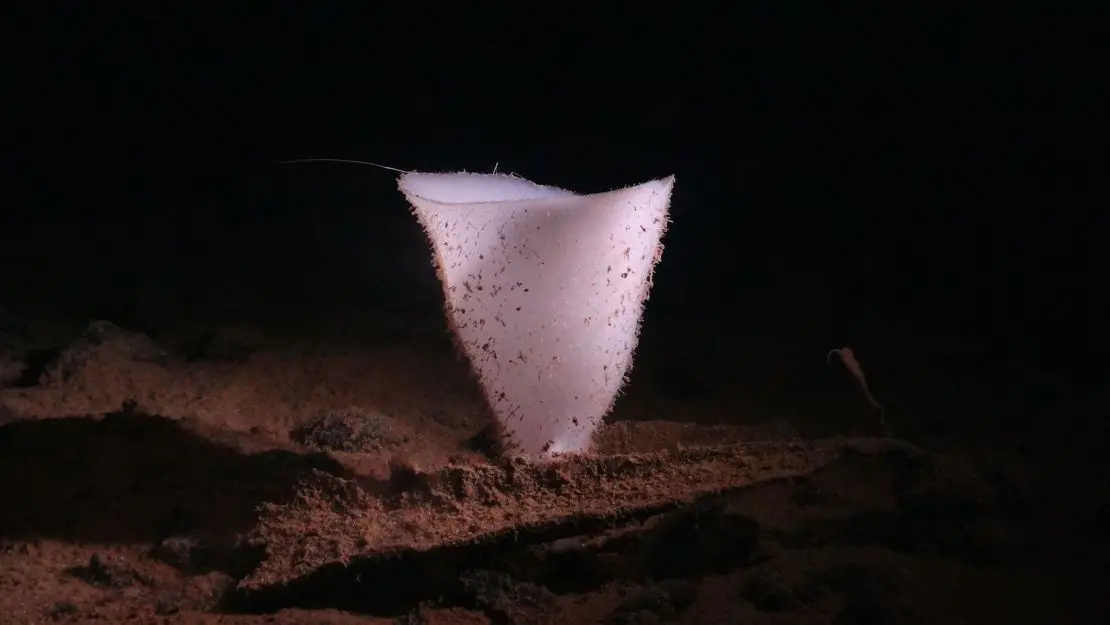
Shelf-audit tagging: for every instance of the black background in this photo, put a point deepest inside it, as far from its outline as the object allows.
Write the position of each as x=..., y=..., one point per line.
x=920, y=183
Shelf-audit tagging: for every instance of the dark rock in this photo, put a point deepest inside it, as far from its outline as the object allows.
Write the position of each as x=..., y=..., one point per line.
x=351, y=429
x=500, y=593
x=98, y=337
x=655, y=604
x=108, y=572
x=709, y=537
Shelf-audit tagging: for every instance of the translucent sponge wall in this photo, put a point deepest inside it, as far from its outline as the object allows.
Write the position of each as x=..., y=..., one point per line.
x=544, y=290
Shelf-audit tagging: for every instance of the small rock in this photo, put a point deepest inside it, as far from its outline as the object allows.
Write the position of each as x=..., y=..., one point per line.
x=103, y=336
x=501, y=593
x=201, y=593
x=655, y=604
x=179, y=552
x=767, y=593
x=707, y=537
x=61, y=610
x=351, y=429
x=108, y=572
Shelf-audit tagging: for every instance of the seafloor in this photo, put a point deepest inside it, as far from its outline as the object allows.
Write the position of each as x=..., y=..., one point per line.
x=251, y=474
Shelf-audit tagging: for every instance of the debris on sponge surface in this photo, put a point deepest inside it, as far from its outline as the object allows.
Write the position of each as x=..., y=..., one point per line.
x=544, y=291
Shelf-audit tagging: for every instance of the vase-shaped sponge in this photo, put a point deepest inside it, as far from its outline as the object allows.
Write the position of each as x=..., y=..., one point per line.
x=544, y=290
